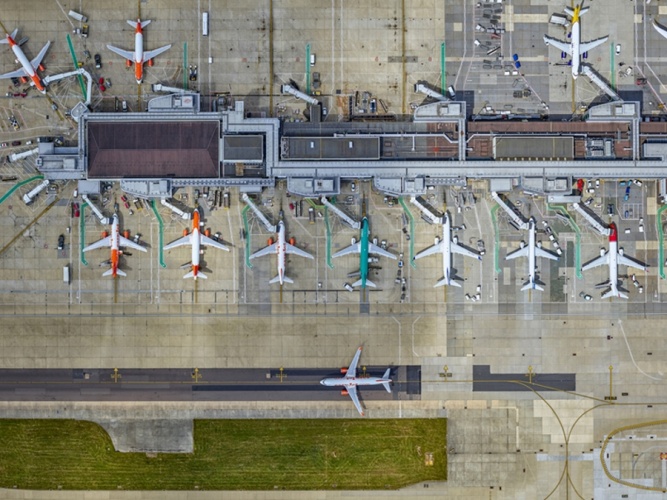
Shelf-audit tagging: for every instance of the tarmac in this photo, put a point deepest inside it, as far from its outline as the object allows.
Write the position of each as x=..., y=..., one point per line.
x=527, y=438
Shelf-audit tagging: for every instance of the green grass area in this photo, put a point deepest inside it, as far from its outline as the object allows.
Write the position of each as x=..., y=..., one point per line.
x=229, y=455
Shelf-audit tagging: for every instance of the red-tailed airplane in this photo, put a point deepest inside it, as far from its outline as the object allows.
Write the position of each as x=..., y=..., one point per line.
x=28, y=68
x=196, y=239
x=115, y=240
x=138, y=57
x=613, y=258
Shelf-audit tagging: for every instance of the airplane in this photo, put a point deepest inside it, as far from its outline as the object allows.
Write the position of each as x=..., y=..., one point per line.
x=114, y=241
x=613, y=257
x=575, y=48
x=532, y=251
x=28, y=68
x=447, y=246
x=364, y=248
x=196, y=239
x=350, y=381
x=281, y=248
x=138, y=57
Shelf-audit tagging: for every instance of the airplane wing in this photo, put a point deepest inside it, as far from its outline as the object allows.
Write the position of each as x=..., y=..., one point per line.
x=379, y=251
x=600, y=261
x=519, y=252
x=352, y=391
x=124, y=242
x=185, y=240
x=461, y=250
x=38, y=60
x=271, y=249
x=14, y=74
x=630, y=262
x=355, y=248
x=352, y=370
x=104, y=242
x=154, y=53
x=659, y=28
x=205, y=240
x=541, y=252
x=429, y=251
x=122, y=53
x=585, y=47
x=297, y=251
x=562, y=46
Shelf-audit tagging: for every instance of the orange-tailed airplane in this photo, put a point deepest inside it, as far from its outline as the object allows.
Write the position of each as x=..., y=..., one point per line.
x=28, y=68
x=115, y=240
x=138, y=57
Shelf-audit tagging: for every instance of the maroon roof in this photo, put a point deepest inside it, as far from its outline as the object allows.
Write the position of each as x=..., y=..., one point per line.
x=153, y=149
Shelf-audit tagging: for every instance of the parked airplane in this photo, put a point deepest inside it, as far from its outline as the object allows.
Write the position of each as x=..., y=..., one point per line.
x=364, y=248
x=28, y=68
x=613, y=257
x=114, y=241
x=281, y=248
x=532, y=251
x=447, y=246
x=138, y=57
x=350, y=381
x=196, y=239
x=575, y=48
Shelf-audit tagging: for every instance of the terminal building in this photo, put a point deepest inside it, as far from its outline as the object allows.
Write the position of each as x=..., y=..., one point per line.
x=175, y=144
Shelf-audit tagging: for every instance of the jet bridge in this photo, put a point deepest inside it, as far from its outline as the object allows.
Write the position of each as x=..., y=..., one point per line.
x=175, y=209
x=423, y=89
x=81, y=71
x=424, y=210
x=346, y=218
x=592, y=219
x=96, y=211
x=511, y=210
x=269, y=227
x=597, y=80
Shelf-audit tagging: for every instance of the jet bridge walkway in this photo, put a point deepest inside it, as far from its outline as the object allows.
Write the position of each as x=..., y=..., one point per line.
x=592, y=219
x=98, y=213
x=346, y=218
x=511, y=210
x=269, y=227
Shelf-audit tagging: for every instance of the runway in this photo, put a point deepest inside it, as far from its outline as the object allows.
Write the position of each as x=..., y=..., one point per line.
x=237, y=384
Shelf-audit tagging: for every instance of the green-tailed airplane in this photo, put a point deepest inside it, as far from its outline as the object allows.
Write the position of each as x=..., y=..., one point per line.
x=364, y=248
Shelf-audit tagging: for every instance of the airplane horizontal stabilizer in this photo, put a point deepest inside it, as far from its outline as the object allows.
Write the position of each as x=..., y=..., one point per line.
x=386, y=377
x=368, y=283
x=191, y=274
x=445, y=281
x=611, y=293
x=134, y=23
x=13, y=35
x=532, y=285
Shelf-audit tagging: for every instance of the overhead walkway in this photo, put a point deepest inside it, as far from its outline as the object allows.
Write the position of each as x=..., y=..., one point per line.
x=269, y=227
x=342, y=215
x=511, y=210
x=592, y=219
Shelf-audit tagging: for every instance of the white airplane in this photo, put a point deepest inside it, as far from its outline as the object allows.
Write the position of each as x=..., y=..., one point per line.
x=196, y=239
x=532, y=251
x=114, y=241
x=350, y=381
x=281, y=248
x=447, y=246
x=138, y=57
x=575, y=48
x=613, y=258
x=28, y=68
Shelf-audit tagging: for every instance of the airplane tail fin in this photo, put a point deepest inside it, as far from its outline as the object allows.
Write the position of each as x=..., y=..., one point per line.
x=13, y=35
x=386, y=377
x=534, y=284
x=134, y=23
x=368, y=283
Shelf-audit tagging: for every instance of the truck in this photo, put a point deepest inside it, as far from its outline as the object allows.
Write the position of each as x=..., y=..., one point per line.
x=79, y=17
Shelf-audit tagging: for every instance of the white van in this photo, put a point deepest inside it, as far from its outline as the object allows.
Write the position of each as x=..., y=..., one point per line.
x=66, y=274
x=77, y=16
x=312, y=59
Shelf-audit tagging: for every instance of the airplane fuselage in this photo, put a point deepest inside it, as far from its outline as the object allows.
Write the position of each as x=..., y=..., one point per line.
x=576, y=43
x=333, y=382
x=139, y=53
x=613, y=260
x=363, y=253
x=532, y=264
x=280, y=251
x=115, y=246
x=447, y=248
x=25, y=63
x=196, y=246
